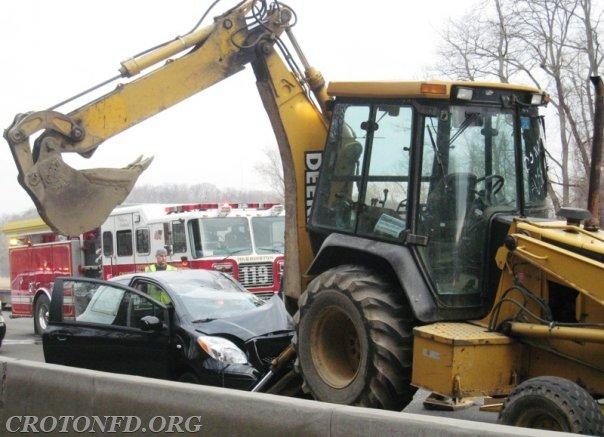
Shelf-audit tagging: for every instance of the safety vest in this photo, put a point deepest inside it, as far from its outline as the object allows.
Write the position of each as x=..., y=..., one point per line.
x=153, y=268
x=158, y=294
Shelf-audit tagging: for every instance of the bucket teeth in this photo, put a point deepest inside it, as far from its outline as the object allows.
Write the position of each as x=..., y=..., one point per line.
x=118, y=176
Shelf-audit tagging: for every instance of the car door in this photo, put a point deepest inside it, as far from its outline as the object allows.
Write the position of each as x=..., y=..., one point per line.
x=97, y=325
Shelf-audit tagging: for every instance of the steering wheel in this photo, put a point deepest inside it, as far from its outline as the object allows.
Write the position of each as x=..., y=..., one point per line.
x=496, y=186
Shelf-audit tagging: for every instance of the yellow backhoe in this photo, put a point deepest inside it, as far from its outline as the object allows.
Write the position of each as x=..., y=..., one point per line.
x=419, y=249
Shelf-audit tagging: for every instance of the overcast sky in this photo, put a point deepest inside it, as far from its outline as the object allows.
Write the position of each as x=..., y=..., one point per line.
x=52, y=50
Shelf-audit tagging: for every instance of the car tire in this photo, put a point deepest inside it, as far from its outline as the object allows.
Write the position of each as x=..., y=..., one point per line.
x=552, y=403
x=41, y=308
x=354, y=340
x=189, y=377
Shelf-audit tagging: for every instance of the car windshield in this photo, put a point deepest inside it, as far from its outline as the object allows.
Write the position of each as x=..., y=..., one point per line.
x=206, y=299
x=269, y=234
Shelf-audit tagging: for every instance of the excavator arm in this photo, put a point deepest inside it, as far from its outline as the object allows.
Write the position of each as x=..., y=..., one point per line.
x=246, y=34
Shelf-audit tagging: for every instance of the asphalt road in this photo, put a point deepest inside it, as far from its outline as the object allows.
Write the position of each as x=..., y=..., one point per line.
x=21, y=342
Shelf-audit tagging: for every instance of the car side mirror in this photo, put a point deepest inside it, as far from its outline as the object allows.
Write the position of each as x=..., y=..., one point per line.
x=151, y=323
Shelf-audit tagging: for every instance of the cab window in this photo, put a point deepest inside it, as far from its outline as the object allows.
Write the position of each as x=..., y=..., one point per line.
x=338, y=190
x=364, y=185
x=124, y=242
x=143, y=241
x=383, y=212
x=179, y=237
x=107, y=243
x=153, y=290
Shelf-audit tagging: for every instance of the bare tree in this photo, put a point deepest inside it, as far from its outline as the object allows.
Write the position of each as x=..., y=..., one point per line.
x=271, y=170
x=198, y=193
x=553, y=44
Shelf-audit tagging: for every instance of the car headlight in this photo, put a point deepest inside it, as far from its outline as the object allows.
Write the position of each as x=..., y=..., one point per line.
x=222, y=349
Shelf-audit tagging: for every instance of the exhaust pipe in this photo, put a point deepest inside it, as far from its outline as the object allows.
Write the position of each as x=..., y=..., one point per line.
x=593, y=195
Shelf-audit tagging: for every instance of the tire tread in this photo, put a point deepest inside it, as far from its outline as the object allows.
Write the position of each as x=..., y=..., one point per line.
x=389, y=323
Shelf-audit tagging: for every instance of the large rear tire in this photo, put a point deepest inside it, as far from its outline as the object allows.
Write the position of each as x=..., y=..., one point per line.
x=41, y=309
x=552, y=403
x=354, y=340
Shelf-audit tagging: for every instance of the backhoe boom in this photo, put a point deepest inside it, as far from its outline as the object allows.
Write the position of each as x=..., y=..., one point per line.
x=244, y=35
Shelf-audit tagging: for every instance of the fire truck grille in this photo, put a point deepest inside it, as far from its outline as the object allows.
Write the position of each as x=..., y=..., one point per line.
x=256, y=274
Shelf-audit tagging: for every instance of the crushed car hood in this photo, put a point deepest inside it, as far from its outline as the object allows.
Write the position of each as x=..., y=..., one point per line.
x=267, y=319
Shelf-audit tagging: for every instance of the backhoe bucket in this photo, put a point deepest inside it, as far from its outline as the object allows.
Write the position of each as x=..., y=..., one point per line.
x=74, y=201
x=69, y=201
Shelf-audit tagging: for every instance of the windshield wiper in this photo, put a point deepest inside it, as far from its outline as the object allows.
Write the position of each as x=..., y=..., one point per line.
x=470, y=118
x=270, y=249
x=207, y=319
x=234, y=252
x=276, y=333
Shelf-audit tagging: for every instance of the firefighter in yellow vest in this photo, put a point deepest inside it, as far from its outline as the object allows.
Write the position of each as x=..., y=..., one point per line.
x=161, y=264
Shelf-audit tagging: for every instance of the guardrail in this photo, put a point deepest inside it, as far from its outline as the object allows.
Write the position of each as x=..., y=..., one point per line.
x=57, y=398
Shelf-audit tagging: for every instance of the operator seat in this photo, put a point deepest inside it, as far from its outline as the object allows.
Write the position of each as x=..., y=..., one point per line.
x=348, y=159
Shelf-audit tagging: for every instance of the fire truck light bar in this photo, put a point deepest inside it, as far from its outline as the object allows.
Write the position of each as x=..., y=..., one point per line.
x=225, y=208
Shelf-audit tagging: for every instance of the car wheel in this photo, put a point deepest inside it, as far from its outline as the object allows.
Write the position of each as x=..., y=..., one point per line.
x=552, y=403
x=354, y=340
x=189, y=377
x=41, y=313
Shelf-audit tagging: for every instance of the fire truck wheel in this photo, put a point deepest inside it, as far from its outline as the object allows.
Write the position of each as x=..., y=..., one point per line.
x=41, y=313
x=354, y=340
x=552, y=403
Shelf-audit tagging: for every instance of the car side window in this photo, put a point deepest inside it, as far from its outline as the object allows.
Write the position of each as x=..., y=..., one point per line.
x=141, y=307
x=153, y=290
x=91, y=302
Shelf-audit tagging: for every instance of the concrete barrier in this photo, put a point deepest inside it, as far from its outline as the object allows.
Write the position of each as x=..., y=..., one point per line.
x=42, y=390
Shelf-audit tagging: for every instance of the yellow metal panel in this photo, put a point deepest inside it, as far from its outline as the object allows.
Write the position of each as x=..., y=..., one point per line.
x=460, y=334
x=410, y=89
x=25, y=227
x=462, y=360
x=579, y=272
x=560, y=232
x=587, y=374
x=301, y=132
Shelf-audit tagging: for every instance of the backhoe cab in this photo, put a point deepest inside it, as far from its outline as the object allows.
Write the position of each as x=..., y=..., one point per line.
x=430, y=167
x=417, y=245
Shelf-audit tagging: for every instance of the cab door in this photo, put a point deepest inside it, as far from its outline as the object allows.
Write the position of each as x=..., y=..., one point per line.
x=98, y=325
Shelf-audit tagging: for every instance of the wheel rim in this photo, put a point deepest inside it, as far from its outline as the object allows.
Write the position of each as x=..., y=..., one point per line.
x=336, y=346
x=540, y=419
x=43, y=316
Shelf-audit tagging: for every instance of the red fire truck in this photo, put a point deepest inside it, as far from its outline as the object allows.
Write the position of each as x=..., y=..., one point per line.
x=244, y=240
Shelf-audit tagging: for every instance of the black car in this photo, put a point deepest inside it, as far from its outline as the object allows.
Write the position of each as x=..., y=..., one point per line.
x=196, y=326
